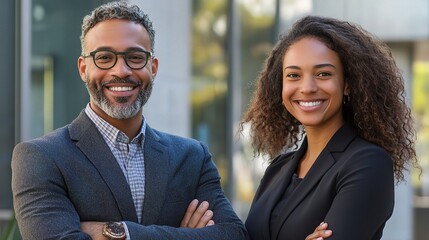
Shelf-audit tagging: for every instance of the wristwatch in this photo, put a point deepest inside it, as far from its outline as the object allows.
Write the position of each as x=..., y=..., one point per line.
x=114, y=230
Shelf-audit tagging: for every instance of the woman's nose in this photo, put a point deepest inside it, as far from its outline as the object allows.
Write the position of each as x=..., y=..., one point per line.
x=308, y=84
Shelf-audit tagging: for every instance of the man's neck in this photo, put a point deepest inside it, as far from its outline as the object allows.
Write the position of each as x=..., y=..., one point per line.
x=130, y=126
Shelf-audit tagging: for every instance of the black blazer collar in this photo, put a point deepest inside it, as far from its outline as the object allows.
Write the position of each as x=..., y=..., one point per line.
x=338, y=143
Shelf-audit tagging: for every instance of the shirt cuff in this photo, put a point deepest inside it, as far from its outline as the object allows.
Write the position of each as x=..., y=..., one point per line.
x=126, y=231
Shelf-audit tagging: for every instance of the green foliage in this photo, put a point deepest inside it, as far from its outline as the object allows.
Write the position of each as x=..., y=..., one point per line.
x=420, y=87
x=420, y=108
x=253, y=24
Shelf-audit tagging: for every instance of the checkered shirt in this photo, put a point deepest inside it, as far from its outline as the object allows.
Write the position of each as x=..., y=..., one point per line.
x=129, y=155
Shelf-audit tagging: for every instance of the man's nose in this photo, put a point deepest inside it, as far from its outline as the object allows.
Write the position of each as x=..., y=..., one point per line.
x=121, y=69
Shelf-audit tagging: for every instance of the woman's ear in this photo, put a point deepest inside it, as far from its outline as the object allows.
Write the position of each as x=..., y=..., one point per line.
x=346, y=89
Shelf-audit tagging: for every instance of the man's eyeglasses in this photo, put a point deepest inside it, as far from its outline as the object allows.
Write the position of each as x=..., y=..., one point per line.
x=106, y=59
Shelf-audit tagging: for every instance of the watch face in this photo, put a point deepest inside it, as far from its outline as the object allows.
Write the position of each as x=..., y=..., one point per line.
x=114, y=230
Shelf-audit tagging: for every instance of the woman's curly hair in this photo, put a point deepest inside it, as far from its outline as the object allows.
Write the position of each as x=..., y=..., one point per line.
x=377, y=109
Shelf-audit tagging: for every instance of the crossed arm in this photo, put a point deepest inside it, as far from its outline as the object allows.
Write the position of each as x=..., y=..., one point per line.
x=42, y=200
x=196, y=216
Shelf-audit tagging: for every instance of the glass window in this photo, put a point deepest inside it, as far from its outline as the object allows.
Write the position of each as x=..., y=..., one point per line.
x=215, y=49
x=420, y=92
x=210, y=72
x=7, y=101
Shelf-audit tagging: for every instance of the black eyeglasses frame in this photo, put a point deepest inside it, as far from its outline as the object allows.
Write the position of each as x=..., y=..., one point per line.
x=124, y=54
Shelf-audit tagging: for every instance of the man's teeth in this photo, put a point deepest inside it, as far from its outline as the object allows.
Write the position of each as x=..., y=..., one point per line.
x=120, y=89
x=310, y=104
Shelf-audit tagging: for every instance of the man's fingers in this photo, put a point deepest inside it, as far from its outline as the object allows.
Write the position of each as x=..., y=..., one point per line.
x=205, y=219
x=189, y=212
x=199, y=219
x=197, y=215
x=210, y=223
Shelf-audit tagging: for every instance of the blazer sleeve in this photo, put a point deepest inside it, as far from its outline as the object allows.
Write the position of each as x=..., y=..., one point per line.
x=44, y=209
x=227, y=224
x=40, y=196
x=365, y=196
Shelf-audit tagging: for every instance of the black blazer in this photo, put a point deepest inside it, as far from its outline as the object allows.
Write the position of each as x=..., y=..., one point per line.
x=71, y=175
x=350, y=186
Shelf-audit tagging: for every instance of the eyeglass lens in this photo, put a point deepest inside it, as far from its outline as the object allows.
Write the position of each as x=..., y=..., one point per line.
x=107, y=59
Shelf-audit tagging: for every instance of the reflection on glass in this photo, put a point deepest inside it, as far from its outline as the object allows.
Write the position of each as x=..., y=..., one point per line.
x=42, y=95
x=211, y=73
x=421, y=113
x=209, y=84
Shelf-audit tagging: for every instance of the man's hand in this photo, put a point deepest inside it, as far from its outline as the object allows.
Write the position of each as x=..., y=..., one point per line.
x=320, y=232
x=197, y=216
x=94, y=229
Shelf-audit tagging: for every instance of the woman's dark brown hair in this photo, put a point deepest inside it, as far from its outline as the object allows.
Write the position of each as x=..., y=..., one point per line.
x=377, y=109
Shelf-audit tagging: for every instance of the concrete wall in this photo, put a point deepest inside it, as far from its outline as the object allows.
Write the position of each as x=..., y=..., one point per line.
x=391, y=20
x=401, y=225
x=169, y=106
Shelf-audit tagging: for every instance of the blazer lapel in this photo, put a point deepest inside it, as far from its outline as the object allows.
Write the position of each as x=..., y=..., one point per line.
x=273, y=191
x=323, y=163
x=319, y=168
x=92, y=144
x=156, y=176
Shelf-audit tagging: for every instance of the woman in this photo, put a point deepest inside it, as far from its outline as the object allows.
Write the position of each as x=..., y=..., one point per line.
x=329, y=109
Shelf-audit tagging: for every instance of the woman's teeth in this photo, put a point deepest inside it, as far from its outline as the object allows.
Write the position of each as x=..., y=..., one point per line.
x=310, y=104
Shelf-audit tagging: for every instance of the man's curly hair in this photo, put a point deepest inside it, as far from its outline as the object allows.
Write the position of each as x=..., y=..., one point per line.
x=117, y=10
x=377, y=109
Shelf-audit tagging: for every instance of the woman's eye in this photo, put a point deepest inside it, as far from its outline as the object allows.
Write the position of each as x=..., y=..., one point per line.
x=324, y=74
x=292, y=75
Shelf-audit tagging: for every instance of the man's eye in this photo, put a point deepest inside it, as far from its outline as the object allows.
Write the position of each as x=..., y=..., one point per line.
x=136, y=57
x=104, y=58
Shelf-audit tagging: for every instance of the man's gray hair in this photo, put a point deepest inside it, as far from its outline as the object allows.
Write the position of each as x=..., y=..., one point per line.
x=117, y=10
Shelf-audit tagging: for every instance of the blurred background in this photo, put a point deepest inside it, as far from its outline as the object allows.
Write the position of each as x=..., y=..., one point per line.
x=210, y=53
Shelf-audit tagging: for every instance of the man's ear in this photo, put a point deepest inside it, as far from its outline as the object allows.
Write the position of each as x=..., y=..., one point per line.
x=81, y=66
x=154, y=67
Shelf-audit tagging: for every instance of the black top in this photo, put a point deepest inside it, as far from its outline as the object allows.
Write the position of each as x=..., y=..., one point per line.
x=283, y=201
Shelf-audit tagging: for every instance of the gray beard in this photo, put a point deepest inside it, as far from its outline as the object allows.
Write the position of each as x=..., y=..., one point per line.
x=119, y=112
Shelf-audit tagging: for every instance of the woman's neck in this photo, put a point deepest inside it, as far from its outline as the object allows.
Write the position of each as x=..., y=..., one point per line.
x=317, y=139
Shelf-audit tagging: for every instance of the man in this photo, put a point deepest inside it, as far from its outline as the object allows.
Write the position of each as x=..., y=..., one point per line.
x=109, y=175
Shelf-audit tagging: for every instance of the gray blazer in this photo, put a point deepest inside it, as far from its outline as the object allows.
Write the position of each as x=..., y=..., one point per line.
x=70, y=175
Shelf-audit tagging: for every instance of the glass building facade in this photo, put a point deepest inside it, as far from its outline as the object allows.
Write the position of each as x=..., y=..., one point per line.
x=210, y=52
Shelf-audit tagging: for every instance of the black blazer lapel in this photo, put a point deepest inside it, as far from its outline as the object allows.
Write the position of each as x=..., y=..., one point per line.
x=316, y=172
x=323, y=163
x=273, y=190
x=156, y=176
x=92, y=144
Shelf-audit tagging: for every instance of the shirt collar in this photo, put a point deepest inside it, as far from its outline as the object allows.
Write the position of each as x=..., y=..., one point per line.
x=111, y=134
